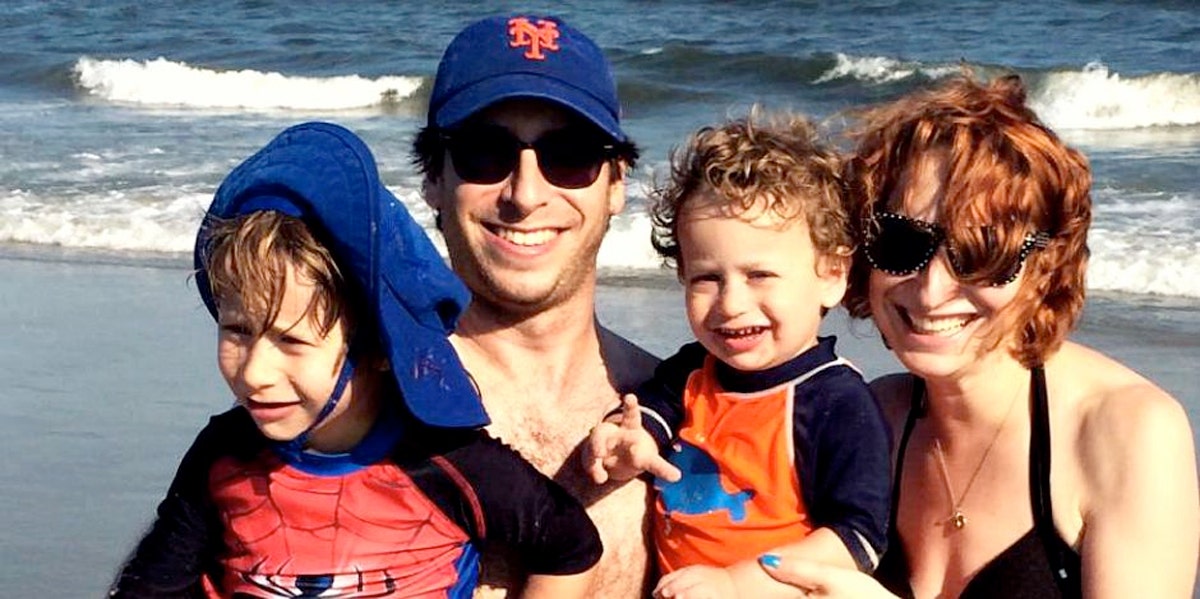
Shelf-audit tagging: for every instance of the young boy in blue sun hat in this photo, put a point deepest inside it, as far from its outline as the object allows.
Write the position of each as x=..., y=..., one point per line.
x=354, y=463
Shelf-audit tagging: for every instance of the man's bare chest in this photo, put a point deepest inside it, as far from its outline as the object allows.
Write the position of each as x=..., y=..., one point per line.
x=546, y=434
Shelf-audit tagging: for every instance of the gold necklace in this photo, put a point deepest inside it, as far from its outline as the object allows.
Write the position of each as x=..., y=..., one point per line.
x=957, y=518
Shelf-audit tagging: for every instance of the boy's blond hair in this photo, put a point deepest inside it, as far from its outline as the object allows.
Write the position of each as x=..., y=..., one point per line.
x=247, y=258
x=763, y=162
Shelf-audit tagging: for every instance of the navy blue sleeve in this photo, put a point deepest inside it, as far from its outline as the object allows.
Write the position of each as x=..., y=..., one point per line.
x=843, y=458
x=183, y=542
x=506, y=505
x=661, y=397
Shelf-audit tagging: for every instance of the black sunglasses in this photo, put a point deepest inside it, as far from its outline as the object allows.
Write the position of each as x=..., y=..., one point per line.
x=570, y=157
x=899, y=245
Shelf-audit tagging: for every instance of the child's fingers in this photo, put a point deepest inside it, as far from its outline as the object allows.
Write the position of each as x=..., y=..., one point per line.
x=597, y=450
x=595, y=468
x=660, y=467
x=631, y=414
x=664, y=583
x=683, y=584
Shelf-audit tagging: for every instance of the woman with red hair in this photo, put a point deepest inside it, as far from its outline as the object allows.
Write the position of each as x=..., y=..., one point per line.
x=1026, y=465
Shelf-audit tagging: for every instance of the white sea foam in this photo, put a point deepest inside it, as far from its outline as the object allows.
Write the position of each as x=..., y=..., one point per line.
x=881, y=69
x=1139, y=261
x=1144, y=242
x=1091, y=98
x=124, y=220
x=1140, y=244
x=162, y=82
x=627, y=243
x=1096, y=98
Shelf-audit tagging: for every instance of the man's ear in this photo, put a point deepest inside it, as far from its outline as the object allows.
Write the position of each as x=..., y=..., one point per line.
x=616, y=189
x=431, y=191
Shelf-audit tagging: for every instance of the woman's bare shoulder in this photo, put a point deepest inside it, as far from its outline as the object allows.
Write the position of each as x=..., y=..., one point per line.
x=1105, y=390
x=1122, y=420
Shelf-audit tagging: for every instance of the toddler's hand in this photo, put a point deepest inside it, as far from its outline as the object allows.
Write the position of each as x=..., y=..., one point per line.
x=696, y=582
x=621, y=451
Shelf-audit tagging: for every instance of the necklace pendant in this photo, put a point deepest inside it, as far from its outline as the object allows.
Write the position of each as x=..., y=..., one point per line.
x=959, y=519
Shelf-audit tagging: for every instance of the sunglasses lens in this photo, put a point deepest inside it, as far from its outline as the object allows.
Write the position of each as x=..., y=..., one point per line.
x=571, y=158
x=900, y=246
x=483, y=155
x=980, y=258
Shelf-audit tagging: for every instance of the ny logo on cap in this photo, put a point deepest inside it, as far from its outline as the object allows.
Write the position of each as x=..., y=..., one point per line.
x=535, y=38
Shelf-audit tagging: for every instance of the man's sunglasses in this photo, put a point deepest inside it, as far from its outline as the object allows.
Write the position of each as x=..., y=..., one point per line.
x=899, y=245
x=570, y=157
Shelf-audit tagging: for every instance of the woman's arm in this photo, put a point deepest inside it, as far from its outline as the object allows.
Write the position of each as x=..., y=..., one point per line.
x=1141, y=511
x=747, y=579
x=822, y=580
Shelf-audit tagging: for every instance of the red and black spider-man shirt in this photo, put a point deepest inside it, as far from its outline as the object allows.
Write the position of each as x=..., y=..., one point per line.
x=404, y=514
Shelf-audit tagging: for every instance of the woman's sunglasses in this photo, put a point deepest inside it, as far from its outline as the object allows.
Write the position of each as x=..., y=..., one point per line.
x=570, y=158
x=899, y=245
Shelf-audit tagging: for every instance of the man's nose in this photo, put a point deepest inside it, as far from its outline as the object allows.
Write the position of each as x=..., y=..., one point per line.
x=528, y=188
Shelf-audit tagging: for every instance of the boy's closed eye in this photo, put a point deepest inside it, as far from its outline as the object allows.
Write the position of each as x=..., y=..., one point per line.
x=288, y=339
x=705, y=277
x=235, y=329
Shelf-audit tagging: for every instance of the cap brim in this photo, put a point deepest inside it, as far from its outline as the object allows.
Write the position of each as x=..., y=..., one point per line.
x=468, y=101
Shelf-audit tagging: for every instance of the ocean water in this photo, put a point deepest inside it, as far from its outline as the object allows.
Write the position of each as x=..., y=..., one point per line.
x=119, y=119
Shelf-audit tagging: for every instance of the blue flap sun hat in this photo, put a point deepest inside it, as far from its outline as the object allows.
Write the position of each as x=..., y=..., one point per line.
x=524, y=57
x=326, y=176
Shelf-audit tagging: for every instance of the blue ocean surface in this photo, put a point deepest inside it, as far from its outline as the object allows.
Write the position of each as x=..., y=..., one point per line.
x=120, y=118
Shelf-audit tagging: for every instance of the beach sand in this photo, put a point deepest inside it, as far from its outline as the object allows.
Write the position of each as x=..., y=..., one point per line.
x=109, y=371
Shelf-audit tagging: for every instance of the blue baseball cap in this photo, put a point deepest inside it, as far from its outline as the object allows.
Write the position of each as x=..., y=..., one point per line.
x=326, y=176
x=524, y=57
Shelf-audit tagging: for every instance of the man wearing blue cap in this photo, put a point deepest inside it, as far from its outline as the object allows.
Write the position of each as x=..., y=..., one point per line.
x=353, y=464
x=524, y=161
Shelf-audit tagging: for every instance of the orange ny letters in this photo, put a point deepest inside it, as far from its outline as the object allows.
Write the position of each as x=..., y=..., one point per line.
x=543, y=36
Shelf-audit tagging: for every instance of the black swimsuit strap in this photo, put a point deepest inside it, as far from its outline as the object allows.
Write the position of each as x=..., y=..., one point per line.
x=1039, y=451
x=915, y=412
x=1063, y=560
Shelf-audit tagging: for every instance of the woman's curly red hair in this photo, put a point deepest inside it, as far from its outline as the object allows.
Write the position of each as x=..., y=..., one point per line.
x=1003, y=167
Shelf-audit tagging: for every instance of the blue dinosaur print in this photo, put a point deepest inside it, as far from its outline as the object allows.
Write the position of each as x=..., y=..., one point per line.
x=700, y=490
